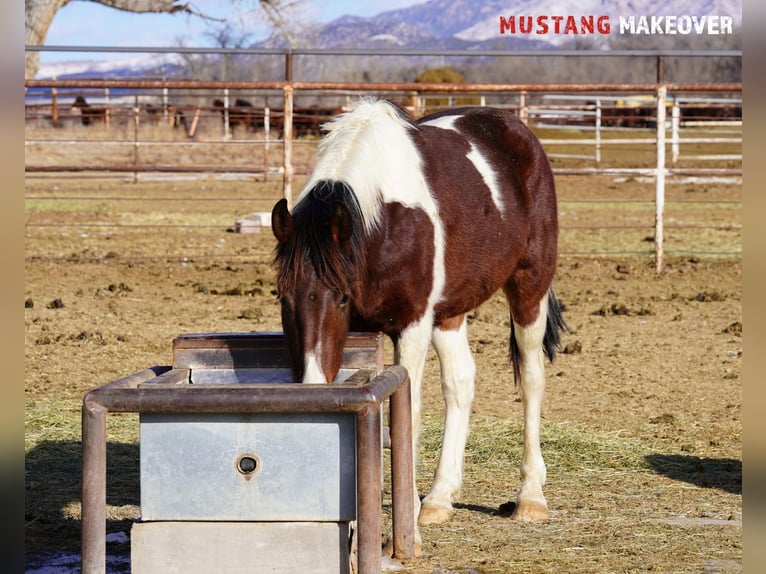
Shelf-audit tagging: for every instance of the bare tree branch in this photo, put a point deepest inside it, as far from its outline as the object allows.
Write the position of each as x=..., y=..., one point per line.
x=39, y=15
x=156, y=6
x=274, y=10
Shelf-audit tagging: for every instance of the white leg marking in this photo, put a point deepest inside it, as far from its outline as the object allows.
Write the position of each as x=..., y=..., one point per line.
x=312, y=372
x=531, y=504
x=411, y=352
x=458, y=373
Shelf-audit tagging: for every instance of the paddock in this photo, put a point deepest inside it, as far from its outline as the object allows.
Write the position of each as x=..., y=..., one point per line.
x=642, y=419
x=642, y=431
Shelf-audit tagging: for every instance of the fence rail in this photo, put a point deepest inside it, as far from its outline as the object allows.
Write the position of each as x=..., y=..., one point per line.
x=659, y=97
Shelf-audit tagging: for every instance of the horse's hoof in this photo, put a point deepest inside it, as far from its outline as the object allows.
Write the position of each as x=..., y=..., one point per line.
x=530, y=512
x=432, y=514
x=388, y=564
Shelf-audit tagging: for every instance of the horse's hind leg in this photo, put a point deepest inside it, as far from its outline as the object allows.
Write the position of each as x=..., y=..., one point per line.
x=450, y=340
x=528, y=338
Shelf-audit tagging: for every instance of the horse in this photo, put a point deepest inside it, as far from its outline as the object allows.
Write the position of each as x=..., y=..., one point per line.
x=175, y=116
x=88, y=114
x=308, y=121
x=242, y=113
x=404, y=227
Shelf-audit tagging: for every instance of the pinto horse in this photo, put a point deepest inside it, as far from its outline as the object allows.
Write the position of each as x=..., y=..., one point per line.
x=403, y=227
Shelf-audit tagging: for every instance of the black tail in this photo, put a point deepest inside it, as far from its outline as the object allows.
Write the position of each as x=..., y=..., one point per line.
x=554, y=326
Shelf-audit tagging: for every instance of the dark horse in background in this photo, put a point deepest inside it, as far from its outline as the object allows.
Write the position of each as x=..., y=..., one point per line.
x=89, y=115
x=241, y=115
x=176, y=118
x=404, y=227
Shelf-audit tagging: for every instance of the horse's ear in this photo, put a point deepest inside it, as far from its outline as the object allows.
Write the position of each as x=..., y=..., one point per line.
x=281, y=221
x=341, y=225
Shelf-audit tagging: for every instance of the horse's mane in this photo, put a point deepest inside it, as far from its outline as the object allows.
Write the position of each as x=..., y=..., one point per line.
x=368, y=147
x=311, y=242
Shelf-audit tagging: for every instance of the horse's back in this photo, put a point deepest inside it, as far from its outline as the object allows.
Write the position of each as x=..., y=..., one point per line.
x=494, y=186
x=508, y=146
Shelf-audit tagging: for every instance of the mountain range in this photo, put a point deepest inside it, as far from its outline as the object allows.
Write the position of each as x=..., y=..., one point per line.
x=447, y=25
x=467, y=24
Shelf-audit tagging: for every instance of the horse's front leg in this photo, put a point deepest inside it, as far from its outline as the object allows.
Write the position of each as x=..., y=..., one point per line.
x=530, y=503
x=410, y=351
x=458, y=374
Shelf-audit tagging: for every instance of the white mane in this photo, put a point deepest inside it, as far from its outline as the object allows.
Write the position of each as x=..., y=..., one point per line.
x=369, y=147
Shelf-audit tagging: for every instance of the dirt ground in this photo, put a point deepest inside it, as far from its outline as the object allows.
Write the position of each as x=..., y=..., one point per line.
x=642, y=428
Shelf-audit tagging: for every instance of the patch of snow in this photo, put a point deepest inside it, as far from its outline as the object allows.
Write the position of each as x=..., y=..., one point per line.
x=59, y=69
x=69, y=563
x=386, y=38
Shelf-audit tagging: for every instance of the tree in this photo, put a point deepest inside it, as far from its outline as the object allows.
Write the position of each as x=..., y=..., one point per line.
x=39, y=15
x=445, y=75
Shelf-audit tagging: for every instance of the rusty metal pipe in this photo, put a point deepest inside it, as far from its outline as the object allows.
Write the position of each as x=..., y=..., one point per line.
x=93, y=488
x=246, y=398
x=369, y=497
x=132, y=381
x=402, y=472
x=380, y=86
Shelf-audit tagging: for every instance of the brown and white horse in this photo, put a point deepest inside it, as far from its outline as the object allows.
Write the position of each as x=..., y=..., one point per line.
x=404, y=227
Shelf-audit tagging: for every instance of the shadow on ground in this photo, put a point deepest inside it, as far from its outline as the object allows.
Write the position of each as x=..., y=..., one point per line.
x=721, y=473
x=53, y=487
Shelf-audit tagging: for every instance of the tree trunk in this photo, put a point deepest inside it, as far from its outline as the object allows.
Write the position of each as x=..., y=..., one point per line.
x=39, y=15
x=37, y=19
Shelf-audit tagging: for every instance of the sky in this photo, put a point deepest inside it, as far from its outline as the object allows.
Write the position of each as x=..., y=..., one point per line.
x=83, y=23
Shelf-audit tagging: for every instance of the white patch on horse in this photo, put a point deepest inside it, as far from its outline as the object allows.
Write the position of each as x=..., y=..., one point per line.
x=370, y=148
x=312, y=373
x=488, y=175
x=475, y=157
x=444, y=122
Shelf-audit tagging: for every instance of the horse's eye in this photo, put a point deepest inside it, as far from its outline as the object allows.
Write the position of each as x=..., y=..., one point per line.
x=344, y=299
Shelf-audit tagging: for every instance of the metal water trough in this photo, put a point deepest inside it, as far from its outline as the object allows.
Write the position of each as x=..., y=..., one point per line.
x=236, y=457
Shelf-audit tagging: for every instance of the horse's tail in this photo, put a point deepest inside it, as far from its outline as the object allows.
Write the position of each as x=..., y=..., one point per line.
x=554, y=326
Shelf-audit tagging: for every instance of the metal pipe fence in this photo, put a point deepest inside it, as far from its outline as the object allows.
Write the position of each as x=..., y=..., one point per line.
x=285, y=157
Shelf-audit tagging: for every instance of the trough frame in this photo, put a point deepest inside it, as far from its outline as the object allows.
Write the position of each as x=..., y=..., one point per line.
x=163, y=389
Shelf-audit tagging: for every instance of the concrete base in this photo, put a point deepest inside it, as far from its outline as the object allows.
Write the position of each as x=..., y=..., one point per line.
x=240, y=547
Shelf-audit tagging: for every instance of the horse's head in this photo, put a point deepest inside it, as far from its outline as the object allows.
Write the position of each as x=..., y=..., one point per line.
x=317, y=257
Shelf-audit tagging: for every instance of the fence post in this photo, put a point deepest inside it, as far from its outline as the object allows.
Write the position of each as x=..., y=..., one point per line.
x=659, y=190
x=54, y=108
x=107, y=113
x=165, y=119
x=289, y=66
x=267, y=139
x=226, y=131
x=598, y=131
x=287, y=161
x=523, y=110
x=675, y=127
x=135, y=138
